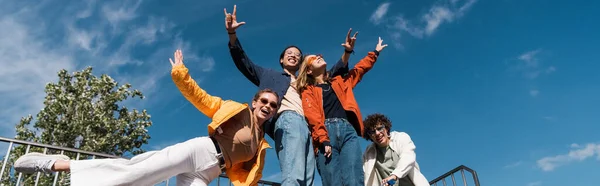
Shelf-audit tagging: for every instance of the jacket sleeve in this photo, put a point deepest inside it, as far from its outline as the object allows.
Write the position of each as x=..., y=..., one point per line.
x=407, y=155
x=203, y=101
x=312, y=113
x=252, y=71
x=339, y=69
x=362, y=67
x=364, y=160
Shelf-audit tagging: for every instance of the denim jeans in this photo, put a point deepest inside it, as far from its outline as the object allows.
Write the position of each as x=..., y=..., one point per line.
x=344, y=166
x=293, y=145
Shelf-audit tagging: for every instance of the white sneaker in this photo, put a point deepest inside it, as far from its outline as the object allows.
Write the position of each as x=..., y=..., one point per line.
x=37, y=162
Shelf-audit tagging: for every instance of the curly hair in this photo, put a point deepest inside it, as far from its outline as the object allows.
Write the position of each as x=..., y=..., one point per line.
x=373, y=120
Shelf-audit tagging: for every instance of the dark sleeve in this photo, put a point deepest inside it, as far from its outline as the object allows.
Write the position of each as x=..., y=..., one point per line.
x=339, y=68
x=252, y=71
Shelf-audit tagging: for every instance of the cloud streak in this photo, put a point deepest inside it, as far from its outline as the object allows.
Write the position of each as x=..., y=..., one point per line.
x=537, y=183
x=530, y=64
x=577, y=153
x=379, y=13
x=534, y=92
x=107, y=36
x=424, y=25
x=513, y=165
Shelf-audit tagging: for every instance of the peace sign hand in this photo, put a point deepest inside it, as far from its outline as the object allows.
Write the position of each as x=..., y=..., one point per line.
x=178, y=58
x=379, y=46
x=349, y=44
x=231, y=21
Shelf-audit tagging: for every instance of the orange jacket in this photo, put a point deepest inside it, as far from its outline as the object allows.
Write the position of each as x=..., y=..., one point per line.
x=312, y=100
x=220, y=111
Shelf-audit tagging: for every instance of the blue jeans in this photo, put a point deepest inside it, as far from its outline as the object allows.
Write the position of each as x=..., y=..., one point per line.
x=293, y=145
x=344, y=166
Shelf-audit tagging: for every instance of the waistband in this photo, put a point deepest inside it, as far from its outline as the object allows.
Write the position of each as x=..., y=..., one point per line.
x=289, y=112
x=330, y=120
x=219, y=154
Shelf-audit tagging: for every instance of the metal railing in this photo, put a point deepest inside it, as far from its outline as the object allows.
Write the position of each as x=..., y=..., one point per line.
x=12, y=143
x=451, y=173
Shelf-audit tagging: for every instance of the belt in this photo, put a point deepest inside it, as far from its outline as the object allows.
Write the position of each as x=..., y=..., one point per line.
x=219, y=154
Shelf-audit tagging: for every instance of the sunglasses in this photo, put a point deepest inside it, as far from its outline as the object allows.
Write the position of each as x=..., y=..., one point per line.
x=378, y=129
x=314, y=58
x=265, y=101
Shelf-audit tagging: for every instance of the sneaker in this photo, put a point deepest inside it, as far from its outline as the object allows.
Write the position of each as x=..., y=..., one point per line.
x=37, y=162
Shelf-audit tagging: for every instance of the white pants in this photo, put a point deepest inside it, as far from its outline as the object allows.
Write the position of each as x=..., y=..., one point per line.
x=194, y=163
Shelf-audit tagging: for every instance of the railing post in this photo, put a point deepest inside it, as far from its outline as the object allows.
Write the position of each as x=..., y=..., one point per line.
x=56, y=173
x=5, y=160
x=37, y=177
x=462, y=172
x=20, y=173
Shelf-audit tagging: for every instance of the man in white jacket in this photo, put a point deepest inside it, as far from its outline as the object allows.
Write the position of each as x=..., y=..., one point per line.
x=390, y=156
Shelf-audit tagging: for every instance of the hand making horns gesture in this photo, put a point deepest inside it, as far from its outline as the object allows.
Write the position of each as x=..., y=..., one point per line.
x=230, y=20
x=380, y=46
x=349, y=44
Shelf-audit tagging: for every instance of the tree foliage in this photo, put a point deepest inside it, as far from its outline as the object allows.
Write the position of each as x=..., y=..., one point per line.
x=82, y=111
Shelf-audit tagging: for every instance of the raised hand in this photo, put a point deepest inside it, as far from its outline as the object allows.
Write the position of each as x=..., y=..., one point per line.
x=327, y=153
x=379, y=46
x=349, y=44
x=178, y=58
x=231, y=21
x=386, y=181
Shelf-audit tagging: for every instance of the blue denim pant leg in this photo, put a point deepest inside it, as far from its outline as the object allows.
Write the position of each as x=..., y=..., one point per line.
x=293, y=146
x=344, y=167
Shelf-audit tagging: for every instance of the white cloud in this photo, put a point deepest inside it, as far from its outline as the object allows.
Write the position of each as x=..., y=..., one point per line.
x=436, y=16
x=208, y=63
x=426, y=24
x=379, y=13
x=537, y=183
x=534, y=93
x=531, y=66
x=549, y=118
x=513, y=165
x=530, y=58
x=577, y=153
x=117, y=12
x=111, y=37
x=550, y=69
x=27, y=64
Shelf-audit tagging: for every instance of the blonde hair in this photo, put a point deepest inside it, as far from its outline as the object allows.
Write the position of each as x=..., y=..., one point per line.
x=304, y=79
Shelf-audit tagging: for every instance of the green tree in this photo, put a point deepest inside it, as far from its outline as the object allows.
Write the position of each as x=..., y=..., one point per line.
x=82, y=111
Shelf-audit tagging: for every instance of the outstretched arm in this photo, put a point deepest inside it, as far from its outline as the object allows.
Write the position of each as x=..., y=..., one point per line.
x=341, y=67
x=364, y=65
x=250, y=70
x=203, y=101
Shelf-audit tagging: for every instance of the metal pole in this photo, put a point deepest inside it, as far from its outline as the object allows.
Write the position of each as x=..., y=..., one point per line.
x=37, y=177
x=5, y=160
x=20, y=173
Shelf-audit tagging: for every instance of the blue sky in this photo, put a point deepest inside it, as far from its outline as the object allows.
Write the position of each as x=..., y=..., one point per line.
x=505, y=87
